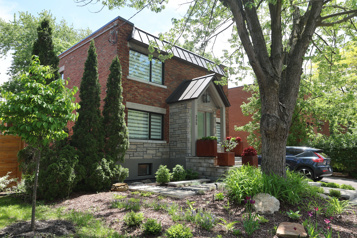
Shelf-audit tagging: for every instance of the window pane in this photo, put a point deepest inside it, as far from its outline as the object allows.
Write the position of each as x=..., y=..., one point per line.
x=144, y=169
x=200, y=124
x=139, y=66
x=156, y=76
x=138, y=124
x=156, y=126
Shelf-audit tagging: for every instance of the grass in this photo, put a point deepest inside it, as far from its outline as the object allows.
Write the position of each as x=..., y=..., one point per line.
x=13, y=210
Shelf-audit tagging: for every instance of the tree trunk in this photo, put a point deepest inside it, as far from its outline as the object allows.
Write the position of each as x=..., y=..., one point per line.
x=34, y=192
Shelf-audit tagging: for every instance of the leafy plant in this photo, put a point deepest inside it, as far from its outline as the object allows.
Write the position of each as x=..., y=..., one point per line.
x=219, y=196
x=331, y=185
x=237, y=232
x=132, y=204
x=190, y=174
x=178, y=173
x=335, y=193
x=209, y=138
x=227, y=226
x=229, y=145
x=294, y=215
x=262, y=219
x=206, y=220
x=133, y=219
x=146, y=194
x=163, y=175
x=5, y=181
x=250, y=221
x=152, y=227
x=336, y=207
x=347, y=186
x=178, y=231
x=249, y=151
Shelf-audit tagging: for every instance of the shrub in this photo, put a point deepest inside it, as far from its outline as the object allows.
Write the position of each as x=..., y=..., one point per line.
x=178, y=231
x=178, y=173
x=209, y=138
x=335, y=193
x=219, y=196
x=133, y=219
x=5, y=181
x=120, y=173
x=336, y=207
x=190, y=174
x=346, y=186
x=152, y=227
x=331, y=185
x=163, y=175
x=249, y=151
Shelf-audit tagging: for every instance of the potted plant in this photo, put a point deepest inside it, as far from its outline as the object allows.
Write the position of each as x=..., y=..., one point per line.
x=238, y=150
x=249, y=156
x=206, y=147
x=227, y=157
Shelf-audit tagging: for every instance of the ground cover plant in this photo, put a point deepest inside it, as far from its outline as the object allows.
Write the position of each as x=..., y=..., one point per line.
x=201, y=215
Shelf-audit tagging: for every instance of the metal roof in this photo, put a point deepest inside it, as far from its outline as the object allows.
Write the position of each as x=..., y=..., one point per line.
x=145, y=38
x=192, y=89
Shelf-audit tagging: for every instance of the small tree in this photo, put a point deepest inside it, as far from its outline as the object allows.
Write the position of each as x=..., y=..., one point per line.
x=38, y=114
x=44, y=49
x=88, y=133
x=116, y=132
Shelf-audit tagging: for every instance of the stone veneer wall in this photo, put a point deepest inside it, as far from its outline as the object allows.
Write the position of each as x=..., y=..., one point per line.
x=145, y=152
x=206, y=168
x=180, y=133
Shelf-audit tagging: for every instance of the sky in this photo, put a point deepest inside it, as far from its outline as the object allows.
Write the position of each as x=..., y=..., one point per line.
x=86, y=17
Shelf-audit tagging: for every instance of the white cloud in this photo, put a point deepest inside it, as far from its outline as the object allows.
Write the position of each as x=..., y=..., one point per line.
x=7, y=9
x=4, y=65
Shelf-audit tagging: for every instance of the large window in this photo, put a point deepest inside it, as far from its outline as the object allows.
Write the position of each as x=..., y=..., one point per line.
x=142, y=68
x=145, y=125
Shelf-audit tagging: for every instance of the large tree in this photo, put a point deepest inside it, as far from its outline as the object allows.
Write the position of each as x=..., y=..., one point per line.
x=18, y=36
x=38, y=114
x=116, y=132
x=43, y=47
x=274, y=36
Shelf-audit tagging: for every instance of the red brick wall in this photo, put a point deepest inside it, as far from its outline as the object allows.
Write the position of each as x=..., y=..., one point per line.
x=175, y=71
x=236, y=97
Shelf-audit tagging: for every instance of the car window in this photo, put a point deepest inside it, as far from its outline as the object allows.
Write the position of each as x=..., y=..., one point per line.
x=307, y=153
x=293, y=151
x=323, y=154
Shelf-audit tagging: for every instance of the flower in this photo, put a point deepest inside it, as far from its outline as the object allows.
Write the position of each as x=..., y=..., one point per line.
x=245, y=201
x=252, y=201
x=327, y=221
x=249, y=151
x=316, y=208
x=295, y=228
x=228, y=137
x=238, y=139
x=310, y=214
x=247, y=198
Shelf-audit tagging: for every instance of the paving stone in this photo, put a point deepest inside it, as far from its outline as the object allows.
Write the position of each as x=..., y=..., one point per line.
x=290, y=230
x=188, y=182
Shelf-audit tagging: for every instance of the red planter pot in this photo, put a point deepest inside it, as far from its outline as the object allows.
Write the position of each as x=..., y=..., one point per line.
x=251, y=160
x=206, y=148
x=238, y=150
x=225, y=159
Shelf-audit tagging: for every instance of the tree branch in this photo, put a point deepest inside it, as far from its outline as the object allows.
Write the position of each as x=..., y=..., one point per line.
x=337, y=22
x=276, y=37
x=313, y=42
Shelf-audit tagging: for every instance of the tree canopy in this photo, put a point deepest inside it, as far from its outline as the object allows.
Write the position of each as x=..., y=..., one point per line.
x=38, y=114
x=18, y=36
x=274, y=36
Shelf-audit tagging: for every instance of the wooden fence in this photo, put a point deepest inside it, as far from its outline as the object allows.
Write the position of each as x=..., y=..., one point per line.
x=9, y=147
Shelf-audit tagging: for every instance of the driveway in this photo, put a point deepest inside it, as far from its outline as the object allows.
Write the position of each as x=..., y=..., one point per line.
x=341, y=180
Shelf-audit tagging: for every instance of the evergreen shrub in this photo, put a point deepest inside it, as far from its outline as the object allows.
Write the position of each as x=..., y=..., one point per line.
x=178, y=173
x=163, y=175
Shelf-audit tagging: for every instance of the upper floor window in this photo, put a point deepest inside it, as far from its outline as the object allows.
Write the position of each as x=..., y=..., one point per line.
x=142, y=68
x=145, y=125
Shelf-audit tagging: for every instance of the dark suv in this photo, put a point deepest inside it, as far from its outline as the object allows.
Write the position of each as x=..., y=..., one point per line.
x=311, y=162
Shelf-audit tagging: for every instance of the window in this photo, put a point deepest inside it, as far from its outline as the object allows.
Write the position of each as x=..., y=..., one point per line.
x=204, y=124
x=145, y=125
x=142, y=68
x=144, y=169
x=218, y=132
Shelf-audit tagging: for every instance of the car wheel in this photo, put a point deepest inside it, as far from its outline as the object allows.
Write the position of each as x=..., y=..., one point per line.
x=318, y=179
x=307, y=172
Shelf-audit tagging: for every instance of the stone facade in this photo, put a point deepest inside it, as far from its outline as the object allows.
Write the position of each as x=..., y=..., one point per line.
x=180, y=133
x=206, y=168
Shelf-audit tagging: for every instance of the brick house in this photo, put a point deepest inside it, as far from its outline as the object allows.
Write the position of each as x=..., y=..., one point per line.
x=169, y=105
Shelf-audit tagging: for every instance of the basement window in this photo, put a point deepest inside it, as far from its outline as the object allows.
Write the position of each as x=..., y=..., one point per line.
x=144, y=169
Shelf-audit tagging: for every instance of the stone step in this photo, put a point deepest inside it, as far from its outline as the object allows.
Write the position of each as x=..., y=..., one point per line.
x=188, y=182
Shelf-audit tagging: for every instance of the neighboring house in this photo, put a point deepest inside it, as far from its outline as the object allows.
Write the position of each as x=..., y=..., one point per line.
x=237, y=96
x=168, y=105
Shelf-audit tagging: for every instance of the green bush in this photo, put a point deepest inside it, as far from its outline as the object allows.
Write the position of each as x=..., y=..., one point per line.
x=348, y=187
x=178, y=231
x=335, y=193
x=120, y=173
x=163, y=175
x=178, y=173
x=190, y=174
x=152, y=227
x=330, y=185
x=248, y=181
x=5, y=181
x=133, y=219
